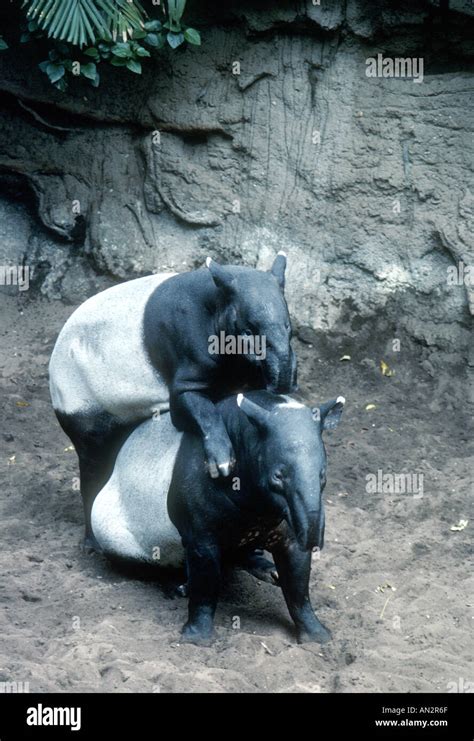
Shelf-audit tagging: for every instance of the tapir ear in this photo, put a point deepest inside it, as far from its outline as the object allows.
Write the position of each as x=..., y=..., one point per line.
x=278, y=269
x=329, y=414
x=256, y=414
x=221, y=277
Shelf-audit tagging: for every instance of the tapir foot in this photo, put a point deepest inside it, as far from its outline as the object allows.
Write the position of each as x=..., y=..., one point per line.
x=220, y=469
x=220, y=458
x=317, y=635
x=260, y=567
x=192, y=633
x=90, y=545
x=182, y=590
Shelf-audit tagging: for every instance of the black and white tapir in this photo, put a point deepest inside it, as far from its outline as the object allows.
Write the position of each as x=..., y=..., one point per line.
x=158, y=509
x=142, y=347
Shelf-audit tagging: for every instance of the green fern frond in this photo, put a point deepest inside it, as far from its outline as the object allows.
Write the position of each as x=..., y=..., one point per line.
x=86, y=21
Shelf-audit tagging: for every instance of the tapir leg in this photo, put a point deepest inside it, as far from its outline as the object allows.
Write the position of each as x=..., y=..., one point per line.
x=294, y=566
x=256, y=564
x=97, y=439
x=193, y=410
x=204, y=573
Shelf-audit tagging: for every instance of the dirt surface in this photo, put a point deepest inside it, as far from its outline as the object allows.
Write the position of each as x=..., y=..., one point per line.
x=393, y=583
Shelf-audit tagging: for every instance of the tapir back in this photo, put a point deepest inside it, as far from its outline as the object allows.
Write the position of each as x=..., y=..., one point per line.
x=130, y=516
x=99, y=362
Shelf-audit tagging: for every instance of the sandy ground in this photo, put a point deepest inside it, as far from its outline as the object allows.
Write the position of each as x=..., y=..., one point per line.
x=394, y=582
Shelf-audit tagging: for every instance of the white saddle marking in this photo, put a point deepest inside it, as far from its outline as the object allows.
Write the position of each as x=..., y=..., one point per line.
x=290, y=404
x=130, y=514
x=99, y=360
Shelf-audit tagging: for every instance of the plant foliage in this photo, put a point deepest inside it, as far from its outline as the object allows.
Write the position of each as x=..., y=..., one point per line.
x=85, y=33
x=80, y=22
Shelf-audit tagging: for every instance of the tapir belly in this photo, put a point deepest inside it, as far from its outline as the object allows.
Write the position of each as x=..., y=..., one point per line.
x=99, y=362
x=130, y=515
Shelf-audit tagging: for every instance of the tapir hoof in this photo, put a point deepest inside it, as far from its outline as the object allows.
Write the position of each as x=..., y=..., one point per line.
x=220, y=457
x=260, y=567
x=193, y=634
x=90, y=545
x=216, y=470
x=321, y=635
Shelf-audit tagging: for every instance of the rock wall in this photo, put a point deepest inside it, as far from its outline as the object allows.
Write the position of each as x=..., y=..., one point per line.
x=270, y=136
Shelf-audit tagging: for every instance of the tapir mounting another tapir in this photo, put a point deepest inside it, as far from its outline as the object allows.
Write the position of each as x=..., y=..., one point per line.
x=160, y=508
x=142, y=347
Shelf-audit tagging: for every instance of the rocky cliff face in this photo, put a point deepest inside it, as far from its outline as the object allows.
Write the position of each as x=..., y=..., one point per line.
x=270, y=136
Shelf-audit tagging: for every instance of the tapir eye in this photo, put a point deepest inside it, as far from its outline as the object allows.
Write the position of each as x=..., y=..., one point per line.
x=277, y=478
x=247, y=332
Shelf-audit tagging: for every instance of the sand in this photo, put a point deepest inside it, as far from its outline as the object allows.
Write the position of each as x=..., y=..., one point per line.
x=394, y=583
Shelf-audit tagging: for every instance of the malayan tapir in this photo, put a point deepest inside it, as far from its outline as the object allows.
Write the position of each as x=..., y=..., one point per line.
x=156, y=509
x=143, y=346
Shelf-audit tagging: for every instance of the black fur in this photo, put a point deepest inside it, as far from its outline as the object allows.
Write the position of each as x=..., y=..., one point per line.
x=180, y=317
x=282, y=513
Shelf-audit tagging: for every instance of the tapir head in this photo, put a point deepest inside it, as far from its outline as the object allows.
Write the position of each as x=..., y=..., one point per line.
x=292, y=460
x=252, y=305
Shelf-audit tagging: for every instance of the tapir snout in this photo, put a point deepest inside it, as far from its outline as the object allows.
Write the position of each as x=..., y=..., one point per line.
x=306, y=517
x=310, y=532
x=279, y=369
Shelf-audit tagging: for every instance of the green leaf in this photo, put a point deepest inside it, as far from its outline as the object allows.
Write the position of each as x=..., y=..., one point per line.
x=122, y=50
x=175, y=39
x=25, y=37
x=153, y=26
x=82, y=22
x=192, y=36
x=92, y=52
x=139, y=34
x=3, y=44
x=176, y=9
x=55, y=71
x=61, y=85
x=141, y=52
x=96, y=80
x=43, y=65
x=130, y=16
x=118, y=62
x=89, y=71
x=74, y=20
x=152, y=40
x=134, y=66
